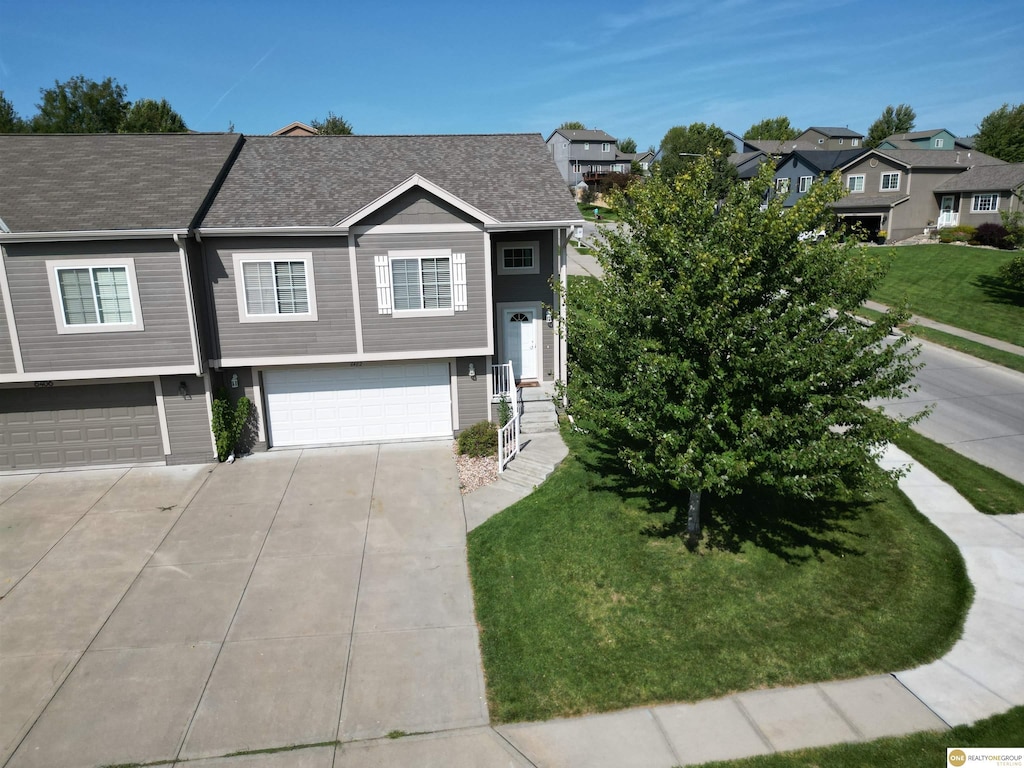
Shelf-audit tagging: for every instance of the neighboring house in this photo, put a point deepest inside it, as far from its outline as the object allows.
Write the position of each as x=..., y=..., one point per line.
x=296, y=129
x=977, y=196
x=585, y=155
x=748, y=163
x=796, y=171
x=938, y=138
x=832, y=138
x=101, y=353
x=894, y=190
x=777, y=146
x=352, y=301
x=737, y=141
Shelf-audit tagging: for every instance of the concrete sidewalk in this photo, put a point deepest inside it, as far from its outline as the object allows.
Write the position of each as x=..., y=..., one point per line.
x=952, y=330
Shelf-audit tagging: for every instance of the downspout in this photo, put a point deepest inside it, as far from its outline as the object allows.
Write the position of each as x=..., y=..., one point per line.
x=563, y=341
x=190, y=305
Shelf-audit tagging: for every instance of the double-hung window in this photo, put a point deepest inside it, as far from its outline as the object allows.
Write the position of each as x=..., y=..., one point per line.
x=95, y=295
x=855, y=183
x=805, y=183
x=890, y=181
x=421, y=283
x=782, y=186
x=985, y=202
x=275, y=287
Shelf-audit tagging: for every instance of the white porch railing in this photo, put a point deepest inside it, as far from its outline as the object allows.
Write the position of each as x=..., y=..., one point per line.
x=508, y=441
x=948, y=219
x=503, y=387
x=503, y=382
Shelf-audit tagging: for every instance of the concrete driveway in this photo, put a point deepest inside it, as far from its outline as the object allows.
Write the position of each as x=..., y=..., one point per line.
x=181, y=613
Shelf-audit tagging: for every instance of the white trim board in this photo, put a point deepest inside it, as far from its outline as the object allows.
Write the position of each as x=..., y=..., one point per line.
x=370, y=357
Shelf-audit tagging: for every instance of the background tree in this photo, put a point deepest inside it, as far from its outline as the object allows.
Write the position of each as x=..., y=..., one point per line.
x=149, y=116
x=572, y=125
x=81, y=106
x=1001, y=134
x=332, y=125
x=10, y=122
x=892, y=120
x=772, y=128
x=683, y=146
x=627, y=145
x=720, y=354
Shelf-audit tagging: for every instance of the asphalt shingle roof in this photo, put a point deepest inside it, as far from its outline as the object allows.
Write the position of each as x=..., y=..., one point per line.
x=317, y=181
x=90, y=182
x=986, y=178
x=585, y=134
x=870, y=200
x=835, y=131
x=940, y=158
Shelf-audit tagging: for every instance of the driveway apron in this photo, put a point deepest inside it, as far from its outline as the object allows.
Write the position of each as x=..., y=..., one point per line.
x=294, y=597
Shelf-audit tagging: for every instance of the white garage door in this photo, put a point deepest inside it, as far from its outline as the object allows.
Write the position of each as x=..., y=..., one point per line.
x=363, y=403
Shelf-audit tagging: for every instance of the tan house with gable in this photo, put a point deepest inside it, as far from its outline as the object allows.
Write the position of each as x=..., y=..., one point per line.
x=893, y=191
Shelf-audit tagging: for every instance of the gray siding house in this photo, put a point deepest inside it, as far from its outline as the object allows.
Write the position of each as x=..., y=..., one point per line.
x=360, y=302
x=977, y=196
x=353, y=301
x=796, y=171
x=585, y=155
x=894, y=190
x=101, y=355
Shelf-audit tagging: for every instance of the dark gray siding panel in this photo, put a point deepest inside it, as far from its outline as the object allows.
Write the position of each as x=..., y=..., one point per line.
x=513, y=288
x=166, y=340
x=387, y=333
x=79, y=425
x=473, y=395
x=333, y=333
x=188, y=421
x=417, y=207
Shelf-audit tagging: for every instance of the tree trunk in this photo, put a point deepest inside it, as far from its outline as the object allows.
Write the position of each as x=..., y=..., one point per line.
x=693, y=517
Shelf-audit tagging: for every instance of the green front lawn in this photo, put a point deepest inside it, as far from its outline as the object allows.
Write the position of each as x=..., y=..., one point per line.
x=607, y=214
x=957, y=285
x=588, y=600
x=914, y=751
x=988, y=491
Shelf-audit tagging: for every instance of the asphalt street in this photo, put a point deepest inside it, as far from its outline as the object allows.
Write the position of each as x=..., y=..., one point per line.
x=977, y=408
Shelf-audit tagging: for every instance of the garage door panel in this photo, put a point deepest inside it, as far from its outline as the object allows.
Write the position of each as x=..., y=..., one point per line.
x=79, y=425
x=358, y=403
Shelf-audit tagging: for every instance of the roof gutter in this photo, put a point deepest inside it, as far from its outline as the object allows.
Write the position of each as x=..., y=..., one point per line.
x=267, y=231
x=96, y=234
x=516, y=226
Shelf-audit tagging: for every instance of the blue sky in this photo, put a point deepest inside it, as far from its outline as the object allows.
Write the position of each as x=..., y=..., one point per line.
x=632, y=69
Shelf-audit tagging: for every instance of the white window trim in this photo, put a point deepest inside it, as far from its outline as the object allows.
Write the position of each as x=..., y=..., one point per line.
x=238, y=259
x=532, y=270
x=54, y=265
x=458, y=283
x=850, y=178
x=939, y=143
x=606, y=147
x=804, y=184
x=586, y=145
x=976, y=196
x=782, y=185
x=854, y=142
x=881, y=181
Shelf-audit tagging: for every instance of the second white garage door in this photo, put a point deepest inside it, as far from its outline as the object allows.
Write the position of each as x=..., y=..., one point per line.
x=351, y=404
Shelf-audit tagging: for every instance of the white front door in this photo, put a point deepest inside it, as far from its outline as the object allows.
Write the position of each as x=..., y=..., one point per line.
x=520, y=341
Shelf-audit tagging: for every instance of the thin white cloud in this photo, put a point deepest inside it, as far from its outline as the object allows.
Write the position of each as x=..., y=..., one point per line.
x=238, y=82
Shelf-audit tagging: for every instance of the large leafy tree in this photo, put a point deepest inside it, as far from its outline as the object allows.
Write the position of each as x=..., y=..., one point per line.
x=10, y=122
x=332, y=125
x=572, y=125
x=81, y=105
x=684, y=146
x=149, y=116
x=892, y=120
x=772, y=128
x=720, y=354
x=1001, y=134
x=627, y=145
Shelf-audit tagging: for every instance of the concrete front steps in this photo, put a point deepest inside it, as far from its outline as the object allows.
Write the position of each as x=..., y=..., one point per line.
x=538, y=410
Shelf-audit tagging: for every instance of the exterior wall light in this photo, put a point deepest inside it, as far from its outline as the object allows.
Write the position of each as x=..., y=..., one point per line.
x=472, y=371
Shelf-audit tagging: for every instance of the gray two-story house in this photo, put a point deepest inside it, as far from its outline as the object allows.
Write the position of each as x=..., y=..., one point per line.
x=797, y=170
x=585, y=155
x=352, y=300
